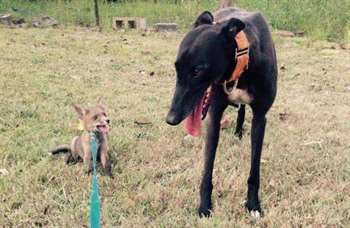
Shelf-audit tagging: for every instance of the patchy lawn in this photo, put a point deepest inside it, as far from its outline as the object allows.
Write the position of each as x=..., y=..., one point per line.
x=306, y=156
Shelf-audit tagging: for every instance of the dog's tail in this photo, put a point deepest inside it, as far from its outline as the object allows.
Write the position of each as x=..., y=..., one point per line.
x=61, y=149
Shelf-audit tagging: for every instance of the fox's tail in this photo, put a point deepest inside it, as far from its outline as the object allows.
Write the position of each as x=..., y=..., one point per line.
x=61, y=149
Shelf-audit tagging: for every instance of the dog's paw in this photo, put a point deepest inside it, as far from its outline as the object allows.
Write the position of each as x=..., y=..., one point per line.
x=239, y=134
x=255, y=214
x=204, y=212
x=254, y=209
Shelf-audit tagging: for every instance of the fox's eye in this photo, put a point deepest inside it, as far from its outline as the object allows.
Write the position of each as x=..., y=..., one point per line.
x=95, y=117
x=104, y=114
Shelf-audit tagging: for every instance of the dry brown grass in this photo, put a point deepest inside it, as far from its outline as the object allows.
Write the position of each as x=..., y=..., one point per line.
x=306, y=155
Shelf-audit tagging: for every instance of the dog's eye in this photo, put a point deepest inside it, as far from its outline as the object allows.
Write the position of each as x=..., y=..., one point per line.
x=95, y=117
x=196, y=72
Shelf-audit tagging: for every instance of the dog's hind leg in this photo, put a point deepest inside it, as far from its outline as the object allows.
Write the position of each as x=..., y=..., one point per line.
x=212, y=138
x=240, y=121
x=257, y=137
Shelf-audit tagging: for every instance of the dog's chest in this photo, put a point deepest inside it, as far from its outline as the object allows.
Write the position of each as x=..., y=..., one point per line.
x=239, y=93
x=240, y=96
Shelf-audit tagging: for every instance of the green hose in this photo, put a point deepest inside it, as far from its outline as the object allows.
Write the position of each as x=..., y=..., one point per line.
x=95, y=203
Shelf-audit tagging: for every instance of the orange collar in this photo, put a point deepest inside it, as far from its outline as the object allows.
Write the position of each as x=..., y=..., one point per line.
x=241, y=56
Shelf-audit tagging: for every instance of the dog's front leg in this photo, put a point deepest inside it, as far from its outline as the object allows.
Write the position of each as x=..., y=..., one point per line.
x=257, y=137
x=212, y=139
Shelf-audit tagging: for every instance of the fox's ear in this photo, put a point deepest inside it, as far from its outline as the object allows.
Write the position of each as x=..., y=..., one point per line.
x=101, y=106
x=100, y=100
x=100, y=103
x=81, y=112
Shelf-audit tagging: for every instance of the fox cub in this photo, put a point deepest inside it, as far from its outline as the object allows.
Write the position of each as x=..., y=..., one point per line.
x=92, y=119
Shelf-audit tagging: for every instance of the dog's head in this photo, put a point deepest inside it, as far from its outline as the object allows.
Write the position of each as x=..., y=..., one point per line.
x=203, y=58
x=94, y=118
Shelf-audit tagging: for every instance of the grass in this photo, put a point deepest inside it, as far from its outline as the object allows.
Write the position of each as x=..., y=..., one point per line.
x=305, y=163
x=320, y=19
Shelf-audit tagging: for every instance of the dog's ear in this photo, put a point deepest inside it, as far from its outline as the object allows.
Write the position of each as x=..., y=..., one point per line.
x=231, y=27
x=204, y=18
x=81, y=111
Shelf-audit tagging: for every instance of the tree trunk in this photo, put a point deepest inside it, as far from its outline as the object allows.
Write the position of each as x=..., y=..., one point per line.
x=97, y=15
x=224, y=3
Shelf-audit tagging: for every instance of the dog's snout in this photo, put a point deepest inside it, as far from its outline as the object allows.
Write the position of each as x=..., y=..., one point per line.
x=107, y=121
x=172, y=119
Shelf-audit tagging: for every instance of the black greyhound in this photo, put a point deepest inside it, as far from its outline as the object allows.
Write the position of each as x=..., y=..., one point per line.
x=206, y=58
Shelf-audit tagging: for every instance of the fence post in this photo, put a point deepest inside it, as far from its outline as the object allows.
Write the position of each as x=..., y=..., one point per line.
x=97, y=15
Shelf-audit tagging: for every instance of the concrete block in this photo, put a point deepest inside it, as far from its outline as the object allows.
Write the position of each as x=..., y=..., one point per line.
x=129, y=23
x=165, y=27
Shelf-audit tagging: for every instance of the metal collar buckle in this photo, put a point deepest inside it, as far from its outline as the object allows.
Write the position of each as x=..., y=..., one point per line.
x=244, y=51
